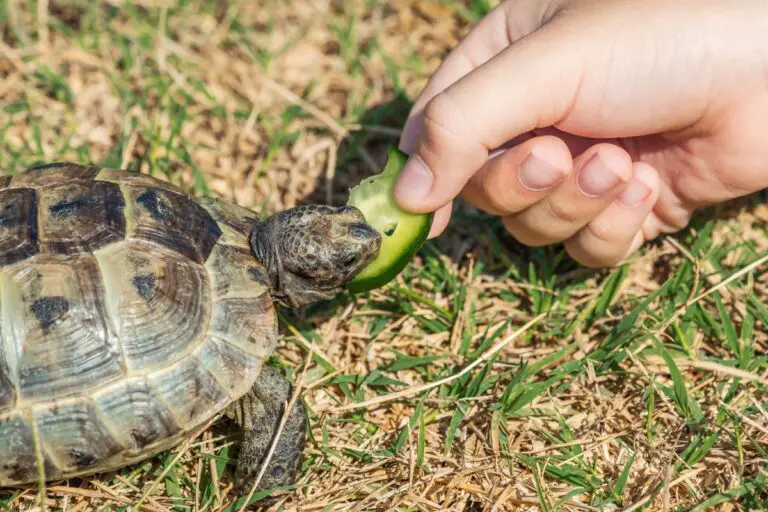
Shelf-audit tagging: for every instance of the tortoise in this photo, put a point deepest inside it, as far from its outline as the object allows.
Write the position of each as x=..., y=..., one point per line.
x=132, y=313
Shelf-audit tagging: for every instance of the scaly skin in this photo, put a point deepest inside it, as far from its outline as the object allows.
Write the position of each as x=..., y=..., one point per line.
x=258, y=414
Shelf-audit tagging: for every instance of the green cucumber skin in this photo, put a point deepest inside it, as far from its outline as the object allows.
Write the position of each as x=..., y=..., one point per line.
x=367, y=284
x=369, y=280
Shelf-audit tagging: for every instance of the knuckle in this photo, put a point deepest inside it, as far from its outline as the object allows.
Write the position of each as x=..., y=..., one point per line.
x=498, y=201
x=600, y=232
x=588, y=260
x=523, y=234
x=596, y=247
x=564, y=212
x=676, y=221
x=582, y=254
x=443, y=116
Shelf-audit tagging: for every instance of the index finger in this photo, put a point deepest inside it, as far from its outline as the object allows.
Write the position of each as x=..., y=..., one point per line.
x=528, y=85
x=492, y=34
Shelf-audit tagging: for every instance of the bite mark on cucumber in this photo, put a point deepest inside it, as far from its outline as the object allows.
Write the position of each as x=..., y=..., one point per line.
x=403, y=233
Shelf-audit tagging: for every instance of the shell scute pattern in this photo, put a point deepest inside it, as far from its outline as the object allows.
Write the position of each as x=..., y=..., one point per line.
x=20, y=198
x=173, y=220
x=75, y=437
x=52, y=174
x=236, y=272
x=135, y=415
x=129, y=314
x=234, y=221
x=159, y=300
x=18, y=225
x=230, y=364
x=245, y=322
x=134, y=179
x=80, y=217
x=7, y=386
x=17, y=453
x=55, y=328
x=190, y=392
x=243, y=312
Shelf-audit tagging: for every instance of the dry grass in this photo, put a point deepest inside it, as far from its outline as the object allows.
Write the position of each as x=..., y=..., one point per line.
x=641, y=387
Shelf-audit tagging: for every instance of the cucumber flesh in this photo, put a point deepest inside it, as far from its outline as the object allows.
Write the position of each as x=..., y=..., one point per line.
x=402, y=232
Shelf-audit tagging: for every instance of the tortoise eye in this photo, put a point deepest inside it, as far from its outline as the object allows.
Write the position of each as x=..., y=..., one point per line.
x=278, y=472
x=361, y=231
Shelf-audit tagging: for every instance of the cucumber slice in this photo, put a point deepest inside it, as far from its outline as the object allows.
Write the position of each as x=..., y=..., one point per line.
x=402, y=232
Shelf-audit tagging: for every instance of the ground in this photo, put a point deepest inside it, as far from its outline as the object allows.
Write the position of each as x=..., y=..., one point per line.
x=489, y=376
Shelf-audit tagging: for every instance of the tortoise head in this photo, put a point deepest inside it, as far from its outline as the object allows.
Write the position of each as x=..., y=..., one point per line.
x=311, y=252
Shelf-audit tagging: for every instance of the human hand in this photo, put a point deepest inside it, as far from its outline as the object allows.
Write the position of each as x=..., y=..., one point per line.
x=618, y=119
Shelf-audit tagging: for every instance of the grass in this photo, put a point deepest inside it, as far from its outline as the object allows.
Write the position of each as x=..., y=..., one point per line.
x=636, y=388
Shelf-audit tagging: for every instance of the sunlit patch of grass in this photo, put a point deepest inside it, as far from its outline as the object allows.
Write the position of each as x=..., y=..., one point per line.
x=640, y=386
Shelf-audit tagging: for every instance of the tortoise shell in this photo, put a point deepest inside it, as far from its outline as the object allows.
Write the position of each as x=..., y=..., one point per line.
x=130, y=314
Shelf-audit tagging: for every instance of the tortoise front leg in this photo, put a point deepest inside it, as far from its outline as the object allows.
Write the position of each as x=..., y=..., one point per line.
x=259, y=413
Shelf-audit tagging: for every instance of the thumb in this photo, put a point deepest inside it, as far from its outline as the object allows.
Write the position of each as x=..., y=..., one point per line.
x=530, y=84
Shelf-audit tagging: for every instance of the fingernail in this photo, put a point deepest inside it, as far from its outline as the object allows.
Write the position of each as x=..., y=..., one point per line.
x=634, y=194
x=415, y=181
x=596, y=177
x=537, y=174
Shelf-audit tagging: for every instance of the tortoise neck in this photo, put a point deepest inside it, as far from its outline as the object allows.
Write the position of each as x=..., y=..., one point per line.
x=265, y=251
